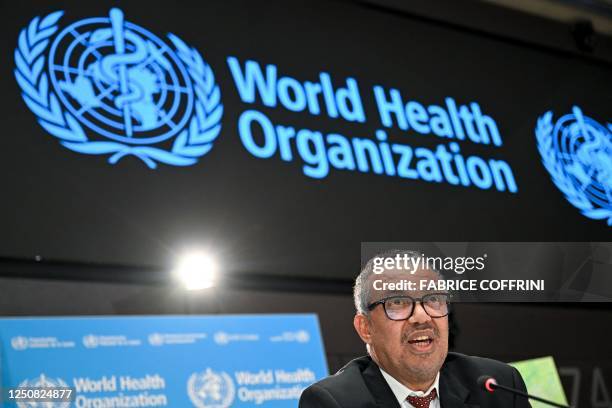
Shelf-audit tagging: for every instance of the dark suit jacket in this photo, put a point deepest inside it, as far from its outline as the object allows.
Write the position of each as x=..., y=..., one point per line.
x=360, y=384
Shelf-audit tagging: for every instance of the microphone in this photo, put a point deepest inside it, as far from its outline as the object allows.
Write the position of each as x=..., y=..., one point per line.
x=490, y=385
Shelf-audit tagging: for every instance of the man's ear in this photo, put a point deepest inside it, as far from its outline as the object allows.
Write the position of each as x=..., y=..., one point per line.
x=362, y=326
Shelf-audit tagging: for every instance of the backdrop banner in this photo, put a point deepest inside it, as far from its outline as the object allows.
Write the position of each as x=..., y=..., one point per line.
x=179, y=361
x=316, y=127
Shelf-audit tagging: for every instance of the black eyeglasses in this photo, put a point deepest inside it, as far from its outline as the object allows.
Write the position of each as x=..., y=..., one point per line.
x=401, y=307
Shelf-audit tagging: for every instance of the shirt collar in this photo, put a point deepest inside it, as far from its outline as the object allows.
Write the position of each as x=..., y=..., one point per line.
x=402, y=392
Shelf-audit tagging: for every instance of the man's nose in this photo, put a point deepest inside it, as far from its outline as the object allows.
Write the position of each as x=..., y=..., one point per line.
x=419, y=315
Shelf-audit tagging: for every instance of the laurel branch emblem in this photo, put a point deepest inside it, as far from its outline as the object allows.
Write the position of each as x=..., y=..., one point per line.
x=210, y=389
x=550, y=159
x=194, y=141
x=44, y=382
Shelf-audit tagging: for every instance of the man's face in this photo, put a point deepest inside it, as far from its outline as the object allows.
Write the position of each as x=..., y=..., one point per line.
x=412, y=350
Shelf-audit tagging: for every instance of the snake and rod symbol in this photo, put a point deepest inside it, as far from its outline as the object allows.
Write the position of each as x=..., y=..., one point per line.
x=126, y=83
x=106, y=86
x=121, y=59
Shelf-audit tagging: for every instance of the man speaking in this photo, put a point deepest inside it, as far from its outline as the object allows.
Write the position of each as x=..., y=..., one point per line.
x=406, y=336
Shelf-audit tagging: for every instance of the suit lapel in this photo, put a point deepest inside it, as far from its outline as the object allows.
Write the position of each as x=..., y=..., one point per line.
x=379, y=388
x=452, y=392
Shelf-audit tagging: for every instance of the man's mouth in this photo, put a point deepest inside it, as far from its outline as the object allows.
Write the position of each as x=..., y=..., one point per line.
x=421, y=340
x=422, y=343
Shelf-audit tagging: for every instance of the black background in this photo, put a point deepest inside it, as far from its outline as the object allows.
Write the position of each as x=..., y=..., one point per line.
x=265, y=216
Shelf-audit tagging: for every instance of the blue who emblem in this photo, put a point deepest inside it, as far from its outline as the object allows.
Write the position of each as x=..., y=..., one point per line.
x=210, y=389
x=577, y=152
x=106, y=86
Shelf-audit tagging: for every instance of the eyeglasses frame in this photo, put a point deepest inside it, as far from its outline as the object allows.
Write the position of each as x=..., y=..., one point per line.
x=383, y=301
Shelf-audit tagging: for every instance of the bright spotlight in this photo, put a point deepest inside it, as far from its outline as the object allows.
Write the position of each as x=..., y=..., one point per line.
x=197, y=271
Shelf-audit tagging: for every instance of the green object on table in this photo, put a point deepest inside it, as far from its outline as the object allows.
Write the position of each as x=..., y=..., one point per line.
x=542, y=380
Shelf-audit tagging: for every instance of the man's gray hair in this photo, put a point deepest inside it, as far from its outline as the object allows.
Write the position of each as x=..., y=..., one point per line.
x=361, y=290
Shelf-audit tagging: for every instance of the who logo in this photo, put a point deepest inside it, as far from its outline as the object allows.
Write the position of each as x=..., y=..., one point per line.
x=576, y=151
x=210, y=389
x=47, y=383
x=106, y=86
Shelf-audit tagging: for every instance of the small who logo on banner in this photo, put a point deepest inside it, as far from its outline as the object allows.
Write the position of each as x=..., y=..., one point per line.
x=210, y=389
x=43, y=382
